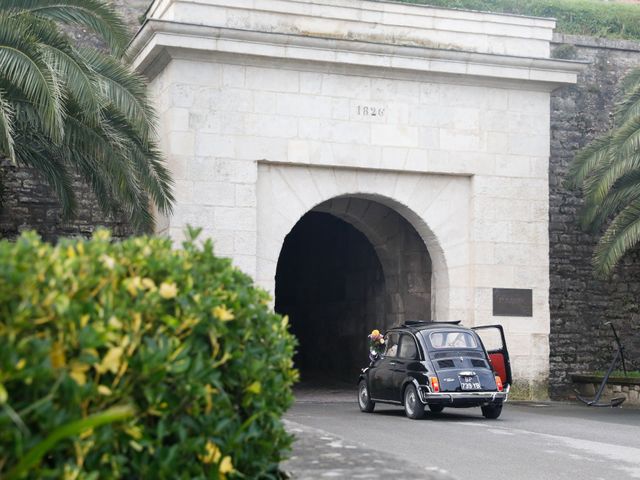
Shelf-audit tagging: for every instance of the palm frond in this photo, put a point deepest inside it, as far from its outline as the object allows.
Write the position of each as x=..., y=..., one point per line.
x=626, y=138
x=629, y=94
x=97, y=147
x=74, y=74
x=587, y=160
x=6, y=128
x=77, y=81
x=148, y=161
x=628, y=108
x=600, y=184
x=95, y=15
x=622, y=234
x=37, y=151
x=125, y=90
x=66, y=109
x=22, y=65
x=625, y=191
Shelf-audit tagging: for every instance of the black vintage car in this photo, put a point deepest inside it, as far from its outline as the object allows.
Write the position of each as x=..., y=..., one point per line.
x=438, y=364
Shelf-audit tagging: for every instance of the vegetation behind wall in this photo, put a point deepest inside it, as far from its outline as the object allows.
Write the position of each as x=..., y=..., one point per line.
x=576, y=17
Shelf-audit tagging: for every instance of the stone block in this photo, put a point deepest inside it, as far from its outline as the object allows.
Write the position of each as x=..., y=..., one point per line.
x=512, y=165
x=222, y=240
x=310, y=82
x=346, y=86
x=196, y=73
x=245, y=243
x=496, y=143
x=297, y=105
x=530, y=102
x=261, y=148
x=235, y=218
x=246, y=263
x=272, y=126
x=587, y=389
x=182, y=143
x=233, y=75
x=394, y=135
x=214, y=193
x=235, y=171
x=214, y=145
x=245, y=195
x=528, y=144
x=272, y=79
x=265, y=102
x=455, y=140
x=230, y=100
x=340, y=108
x=176, y=119
x=429, y=138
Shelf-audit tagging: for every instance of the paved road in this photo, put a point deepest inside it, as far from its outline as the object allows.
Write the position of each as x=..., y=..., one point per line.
x=529, y=441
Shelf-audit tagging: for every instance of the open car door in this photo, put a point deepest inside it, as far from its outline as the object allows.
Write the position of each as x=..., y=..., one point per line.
x=494, y=342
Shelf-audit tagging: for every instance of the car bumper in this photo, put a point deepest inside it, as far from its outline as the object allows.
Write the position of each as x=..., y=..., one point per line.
x=464, y=398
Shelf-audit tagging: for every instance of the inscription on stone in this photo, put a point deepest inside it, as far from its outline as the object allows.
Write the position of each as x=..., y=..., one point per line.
x=370, y=111
x=512, y=302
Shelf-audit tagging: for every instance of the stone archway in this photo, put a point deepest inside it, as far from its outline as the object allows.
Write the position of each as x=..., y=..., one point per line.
x=348, y=266
x=436, y=207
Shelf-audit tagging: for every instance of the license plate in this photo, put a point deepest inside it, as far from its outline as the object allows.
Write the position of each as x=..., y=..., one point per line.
x=469, y=383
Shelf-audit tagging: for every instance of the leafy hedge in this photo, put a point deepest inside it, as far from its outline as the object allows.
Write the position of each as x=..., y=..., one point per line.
x=179, y=335
x=578, y=17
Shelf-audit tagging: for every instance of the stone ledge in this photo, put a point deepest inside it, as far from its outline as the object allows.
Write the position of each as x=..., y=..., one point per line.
x=584, y=378
x=626, y=387
x=596, y=42
x=159, y=37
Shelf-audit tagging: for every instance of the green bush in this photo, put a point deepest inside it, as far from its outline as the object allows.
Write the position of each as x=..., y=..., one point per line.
x=180, y=335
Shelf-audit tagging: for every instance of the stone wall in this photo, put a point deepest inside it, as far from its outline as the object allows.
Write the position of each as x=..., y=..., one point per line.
x=30, y=204
x=579, y=303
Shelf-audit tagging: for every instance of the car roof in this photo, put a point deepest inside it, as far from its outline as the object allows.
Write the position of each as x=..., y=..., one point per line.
x=417, y=325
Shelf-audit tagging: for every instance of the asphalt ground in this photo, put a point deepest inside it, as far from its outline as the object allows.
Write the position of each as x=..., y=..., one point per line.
x=529, y=441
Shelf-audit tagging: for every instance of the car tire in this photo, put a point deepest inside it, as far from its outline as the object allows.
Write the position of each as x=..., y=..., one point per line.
x=364, y=400
x=436, y=408
x=492, y=411
x=413, y=406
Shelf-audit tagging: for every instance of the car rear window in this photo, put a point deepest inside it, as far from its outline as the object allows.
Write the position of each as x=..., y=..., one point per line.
x=452, y=339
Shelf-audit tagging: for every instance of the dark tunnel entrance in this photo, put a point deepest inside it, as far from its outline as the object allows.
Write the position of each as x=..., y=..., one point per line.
x=330, y=283
x=337, y=284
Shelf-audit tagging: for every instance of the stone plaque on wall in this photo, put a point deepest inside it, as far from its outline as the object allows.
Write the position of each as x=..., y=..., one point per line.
x=512, y=302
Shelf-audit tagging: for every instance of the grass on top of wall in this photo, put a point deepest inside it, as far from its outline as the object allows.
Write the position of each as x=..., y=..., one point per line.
x=577, y=17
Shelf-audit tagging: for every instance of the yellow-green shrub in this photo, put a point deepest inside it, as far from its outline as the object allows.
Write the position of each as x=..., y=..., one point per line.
x=178, y=333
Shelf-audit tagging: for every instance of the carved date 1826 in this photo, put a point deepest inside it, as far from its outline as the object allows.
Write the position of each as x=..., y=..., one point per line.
x=370, y=111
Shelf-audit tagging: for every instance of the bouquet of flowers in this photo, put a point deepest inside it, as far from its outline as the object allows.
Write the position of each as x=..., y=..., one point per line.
x=376, y=344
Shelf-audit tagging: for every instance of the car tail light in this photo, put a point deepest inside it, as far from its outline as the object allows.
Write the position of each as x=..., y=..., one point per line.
x=499, y=383
x=435, y=385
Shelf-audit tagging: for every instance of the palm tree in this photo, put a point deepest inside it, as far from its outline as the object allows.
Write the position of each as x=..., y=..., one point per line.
x=608, y=171
x=66, y=110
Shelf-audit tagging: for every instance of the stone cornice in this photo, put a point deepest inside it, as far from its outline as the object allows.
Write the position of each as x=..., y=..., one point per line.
x=158, y=37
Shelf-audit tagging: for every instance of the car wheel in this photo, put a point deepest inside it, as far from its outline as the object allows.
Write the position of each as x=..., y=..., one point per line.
x=491, y=411
x=435, y=408
x=364, y=401
x=413, y=407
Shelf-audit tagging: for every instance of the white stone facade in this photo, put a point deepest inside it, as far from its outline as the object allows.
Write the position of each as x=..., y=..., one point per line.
x=271, y=107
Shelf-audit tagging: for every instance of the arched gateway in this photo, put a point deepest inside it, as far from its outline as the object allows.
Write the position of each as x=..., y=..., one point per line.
x=348, y=266
x=397, y=154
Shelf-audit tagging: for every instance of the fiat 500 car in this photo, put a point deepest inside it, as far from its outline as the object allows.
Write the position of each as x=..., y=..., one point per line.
x=438, y=365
